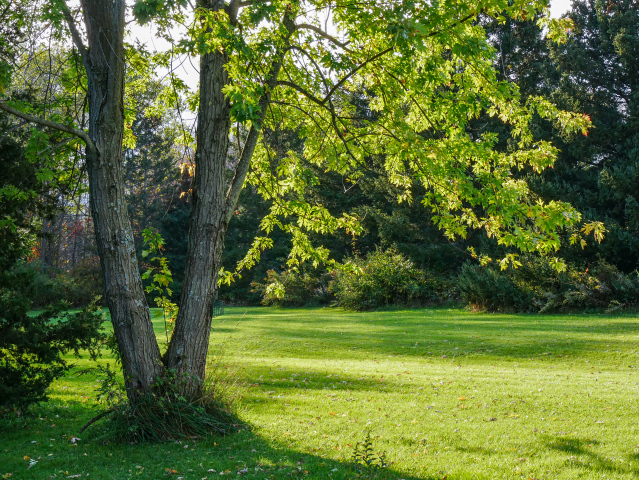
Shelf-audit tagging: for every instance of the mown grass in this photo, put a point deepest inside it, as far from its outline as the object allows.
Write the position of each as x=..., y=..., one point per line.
x=444, y=393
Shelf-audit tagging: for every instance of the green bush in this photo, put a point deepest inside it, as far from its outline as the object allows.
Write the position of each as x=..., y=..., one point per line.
x=32, y=346
x=490, y=289
x=292, y=288
x=46, y=285
x=86, y=282
x=602, y=287
x=385, y=278
x=537, y=286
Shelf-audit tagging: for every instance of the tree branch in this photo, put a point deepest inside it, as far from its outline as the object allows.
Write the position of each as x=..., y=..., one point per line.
x=384, y=52
x=248, y=3
x=84, y=136
x=75, y=35
x=96, y=418
x=12, y=129
x=242, y=168
x=326, y=99
x=312, y=60
x=231, y=9
x=303, y=91
x=354, y=71
x=322, y=33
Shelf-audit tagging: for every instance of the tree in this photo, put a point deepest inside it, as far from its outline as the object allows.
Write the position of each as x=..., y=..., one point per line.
x=592, y=72
x=31, y=346
x=599, y=77
x=424, y=69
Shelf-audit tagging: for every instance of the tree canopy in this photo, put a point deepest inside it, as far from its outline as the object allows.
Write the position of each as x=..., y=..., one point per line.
x=398, y=81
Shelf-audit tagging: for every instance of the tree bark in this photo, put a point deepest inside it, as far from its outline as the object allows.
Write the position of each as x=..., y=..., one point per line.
x=104, y=62
x=189, y=345
x=211, y=213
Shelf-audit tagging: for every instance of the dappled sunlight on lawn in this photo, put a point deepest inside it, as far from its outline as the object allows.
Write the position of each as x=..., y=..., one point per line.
x=444, y=393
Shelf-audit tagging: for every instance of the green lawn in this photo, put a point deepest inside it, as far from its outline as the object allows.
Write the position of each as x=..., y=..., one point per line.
x=444, y=393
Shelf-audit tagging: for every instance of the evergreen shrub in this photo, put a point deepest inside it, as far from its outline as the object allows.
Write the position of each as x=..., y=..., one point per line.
x=32, y=347
x=488, y=288
x=537, y=286
x=47, y=285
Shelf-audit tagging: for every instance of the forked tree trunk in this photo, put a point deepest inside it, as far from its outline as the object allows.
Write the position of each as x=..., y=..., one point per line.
x=130, y=316
x=212, y=202
x=104, y=61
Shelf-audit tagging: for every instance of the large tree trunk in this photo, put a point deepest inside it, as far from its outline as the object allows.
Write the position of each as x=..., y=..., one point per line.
x=123, y=287
x=189, y=345
x=212, y=204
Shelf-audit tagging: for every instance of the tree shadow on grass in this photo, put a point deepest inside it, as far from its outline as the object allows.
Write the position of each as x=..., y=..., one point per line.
x=581, y=455
x=243, y=454
x=484, y=451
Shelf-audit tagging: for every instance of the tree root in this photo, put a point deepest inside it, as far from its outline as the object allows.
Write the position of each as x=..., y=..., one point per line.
x=95, y=419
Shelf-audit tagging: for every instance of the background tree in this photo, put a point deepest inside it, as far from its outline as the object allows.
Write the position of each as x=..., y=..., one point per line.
x=590, y=73
x=599, y=77
x=32, y=346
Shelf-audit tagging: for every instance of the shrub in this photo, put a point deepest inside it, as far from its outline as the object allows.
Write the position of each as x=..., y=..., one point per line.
x=602, y=287
x=47, y=285
x=86, y=282
x=32, y=346
x=492, y=290
x=385, y=278
x=292, y=288
x=536, y=286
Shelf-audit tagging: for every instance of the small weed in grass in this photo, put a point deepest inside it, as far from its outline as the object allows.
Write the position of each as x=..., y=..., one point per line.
x=367, y=462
